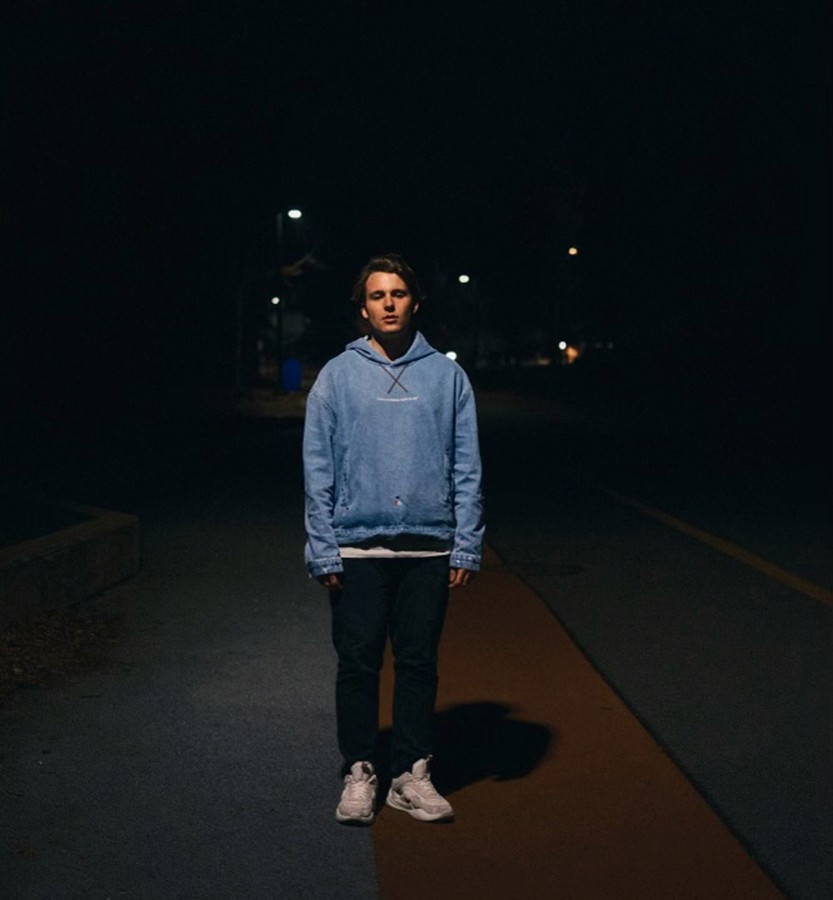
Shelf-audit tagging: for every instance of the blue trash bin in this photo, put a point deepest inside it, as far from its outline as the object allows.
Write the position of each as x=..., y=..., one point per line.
x=291, y=375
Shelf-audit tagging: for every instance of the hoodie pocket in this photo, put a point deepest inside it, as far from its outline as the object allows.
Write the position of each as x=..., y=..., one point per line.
x=396, y=471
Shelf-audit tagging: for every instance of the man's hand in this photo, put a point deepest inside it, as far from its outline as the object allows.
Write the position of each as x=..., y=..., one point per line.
x=459, y=577
x=332, y=582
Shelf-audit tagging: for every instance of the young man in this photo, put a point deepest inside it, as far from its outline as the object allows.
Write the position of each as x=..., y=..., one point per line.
x=394, y=519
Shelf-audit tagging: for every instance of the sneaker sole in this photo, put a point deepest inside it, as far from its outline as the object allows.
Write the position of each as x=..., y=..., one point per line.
x=395, y=803
x=355, y=820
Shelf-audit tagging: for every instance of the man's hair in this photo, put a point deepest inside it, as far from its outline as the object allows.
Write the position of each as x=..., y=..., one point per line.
x=386, y=262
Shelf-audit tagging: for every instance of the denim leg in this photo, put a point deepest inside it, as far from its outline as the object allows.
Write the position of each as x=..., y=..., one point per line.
x=360, y=615
x=416, y=623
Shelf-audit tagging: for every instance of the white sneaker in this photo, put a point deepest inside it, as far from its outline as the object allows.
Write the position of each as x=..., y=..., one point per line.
x=358, y=798
x=413, y=793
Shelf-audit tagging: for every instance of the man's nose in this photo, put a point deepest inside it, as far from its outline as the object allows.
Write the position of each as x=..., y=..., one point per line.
x=390, y=303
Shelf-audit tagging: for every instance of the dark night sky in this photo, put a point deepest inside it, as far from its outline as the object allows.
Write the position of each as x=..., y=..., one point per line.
x=147, y=148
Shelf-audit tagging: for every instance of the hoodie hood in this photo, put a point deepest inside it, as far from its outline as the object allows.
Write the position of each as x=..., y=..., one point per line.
x=419, y=348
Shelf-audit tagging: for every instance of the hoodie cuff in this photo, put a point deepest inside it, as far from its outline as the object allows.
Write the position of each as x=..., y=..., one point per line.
x=461, y=560
x=329, y=566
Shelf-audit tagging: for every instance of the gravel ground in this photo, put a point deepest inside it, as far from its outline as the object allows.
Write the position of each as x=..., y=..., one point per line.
x=35, y=652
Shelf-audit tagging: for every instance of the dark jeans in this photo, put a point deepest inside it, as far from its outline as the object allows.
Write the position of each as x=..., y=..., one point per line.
x=406, y=599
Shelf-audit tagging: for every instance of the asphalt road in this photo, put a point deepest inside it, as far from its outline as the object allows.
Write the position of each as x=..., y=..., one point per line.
x=713, y=623
x=725, y=663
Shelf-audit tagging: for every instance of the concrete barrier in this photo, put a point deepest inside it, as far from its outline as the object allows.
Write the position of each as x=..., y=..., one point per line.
x=40, y=575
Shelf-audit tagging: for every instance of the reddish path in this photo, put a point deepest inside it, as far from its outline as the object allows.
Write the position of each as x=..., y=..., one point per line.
x=602, y=813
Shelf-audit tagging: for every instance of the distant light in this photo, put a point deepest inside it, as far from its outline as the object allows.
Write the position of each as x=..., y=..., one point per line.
x=573, y=251
x=562, y=345
x=451, y=354
x=294, y=213
x=276, y=301
x=463, y=279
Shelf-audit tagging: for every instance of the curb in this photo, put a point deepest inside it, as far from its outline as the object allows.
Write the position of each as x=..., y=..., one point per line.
x=69, y=565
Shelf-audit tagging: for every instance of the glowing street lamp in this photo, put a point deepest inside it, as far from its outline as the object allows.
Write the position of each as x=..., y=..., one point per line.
x=463, y=279
x=294, y=214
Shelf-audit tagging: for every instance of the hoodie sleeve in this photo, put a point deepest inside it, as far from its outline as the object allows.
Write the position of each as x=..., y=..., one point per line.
x=321, y=552
x=468, y=500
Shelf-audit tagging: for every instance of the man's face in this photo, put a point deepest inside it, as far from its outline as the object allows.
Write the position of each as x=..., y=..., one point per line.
x=388, y=304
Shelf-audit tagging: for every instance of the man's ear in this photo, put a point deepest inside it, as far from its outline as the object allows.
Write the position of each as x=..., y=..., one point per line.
x=415, y=307
x=363, y=312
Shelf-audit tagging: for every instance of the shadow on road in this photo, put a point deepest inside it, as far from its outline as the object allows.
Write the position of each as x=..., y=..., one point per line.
x=476, y=741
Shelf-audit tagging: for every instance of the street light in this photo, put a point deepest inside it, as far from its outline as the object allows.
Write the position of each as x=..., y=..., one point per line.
x=573, y=251
x=293, y=213
x=470, y=306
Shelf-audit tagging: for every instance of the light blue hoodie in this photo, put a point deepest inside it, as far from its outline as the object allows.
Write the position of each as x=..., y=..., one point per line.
x=391, y=448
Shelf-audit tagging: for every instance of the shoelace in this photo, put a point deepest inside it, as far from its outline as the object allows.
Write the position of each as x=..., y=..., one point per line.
x=358, y=788
x=425, y=787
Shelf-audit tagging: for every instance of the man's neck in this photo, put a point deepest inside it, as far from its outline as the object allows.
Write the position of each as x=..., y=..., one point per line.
x=392, y=346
